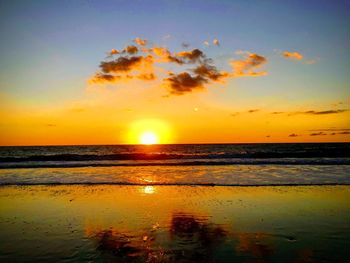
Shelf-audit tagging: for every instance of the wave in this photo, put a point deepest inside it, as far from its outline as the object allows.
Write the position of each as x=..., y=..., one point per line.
x=175, y=162
x=174, y=184
x=172, y=156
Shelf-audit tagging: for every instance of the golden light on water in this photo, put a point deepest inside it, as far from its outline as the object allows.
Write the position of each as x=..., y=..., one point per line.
x=149, y=189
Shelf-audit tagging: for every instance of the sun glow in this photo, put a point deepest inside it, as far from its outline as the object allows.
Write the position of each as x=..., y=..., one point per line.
x=149, y=137
x=149, y=131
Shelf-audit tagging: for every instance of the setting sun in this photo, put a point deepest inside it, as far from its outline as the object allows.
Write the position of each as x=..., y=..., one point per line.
x=149, y=138
x=149, y=131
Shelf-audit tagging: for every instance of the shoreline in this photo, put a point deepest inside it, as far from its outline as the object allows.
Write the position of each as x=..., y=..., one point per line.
x=167, y=223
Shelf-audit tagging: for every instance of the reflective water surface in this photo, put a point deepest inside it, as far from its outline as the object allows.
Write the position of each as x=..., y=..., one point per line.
x=152, y=223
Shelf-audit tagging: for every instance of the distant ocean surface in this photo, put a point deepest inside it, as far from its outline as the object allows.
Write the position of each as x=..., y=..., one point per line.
x=217, y=164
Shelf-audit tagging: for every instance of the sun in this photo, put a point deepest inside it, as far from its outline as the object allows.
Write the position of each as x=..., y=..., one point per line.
x=149, y=132
x=148, y=138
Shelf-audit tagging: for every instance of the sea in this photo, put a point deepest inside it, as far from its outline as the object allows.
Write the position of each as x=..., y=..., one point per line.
x=175, y=203
x=178, y=164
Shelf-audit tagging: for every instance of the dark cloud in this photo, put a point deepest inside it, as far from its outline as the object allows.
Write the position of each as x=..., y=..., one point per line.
x=191, y=56
x=131, y=50
x=253, y=110
x=120, y=64
x=318, y=134
x=129, y=66
x=277, y=112
x=210, y=72
x=326, y=112
x=341, y=133
x=293, y=135
x=104, y=78
x=184, y=82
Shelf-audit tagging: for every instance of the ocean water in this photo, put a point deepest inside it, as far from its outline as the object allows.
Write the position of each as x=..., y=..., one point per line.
x=175, y=203
x=181, y=164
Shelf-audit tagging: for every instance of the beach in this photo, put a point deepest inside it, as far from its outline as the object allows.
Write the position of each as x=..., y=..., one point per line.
x=118, y=223
x=175, y=203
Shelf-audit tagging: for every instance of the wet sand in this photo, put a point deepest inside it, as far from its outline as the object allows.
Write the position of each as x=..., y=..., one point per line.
x=115, y=223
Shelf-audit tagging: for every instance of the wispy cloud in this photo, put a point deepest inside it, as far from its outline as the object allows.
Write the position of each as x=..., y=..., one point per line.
x=311, y=112
x=247, y=67
x=140, y=42
x=318, y=134
x=253, y=110
x=332, y=129
x=292, y=55
x=293, y=135
x=325, y=112
x=341, y=133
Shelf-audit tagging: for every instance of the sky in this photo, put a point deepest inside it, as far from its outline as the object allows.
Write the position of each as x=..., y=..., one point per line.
x=107, y=72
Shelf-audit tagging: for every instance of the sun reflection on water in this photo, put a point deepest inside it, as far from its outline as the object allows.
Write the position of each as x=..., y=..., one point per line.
x=149, y=189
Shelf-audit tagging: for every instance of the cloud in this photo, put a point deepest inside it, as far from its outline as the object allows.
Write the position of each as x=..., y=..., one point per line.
x=293, y=135
x=332, y=129
x=312, y=112
x=318, y=134
x=325, y=112
x=216, y=42
x=121, y=64
x=253, y=111
x=144, y=76
x=184, y=83
x=100, y=78
x=292, y=55
x=206, y=43
x=131, y=49
x=114, y=52
x=140, y=42
x=344, y=132
x=120, y=69
x=244, y=68
x=341, y=133
x=191, y=56
x=211, y=72
x=145, y=63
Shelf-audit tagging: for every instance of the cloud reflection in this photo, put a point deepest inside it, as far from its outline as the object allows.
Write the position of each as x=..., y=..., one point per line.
x=187, y=238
